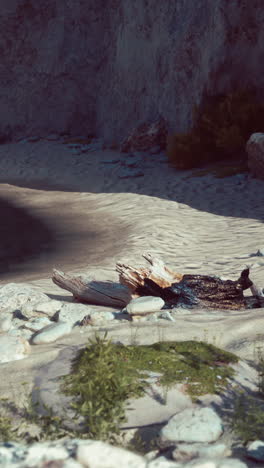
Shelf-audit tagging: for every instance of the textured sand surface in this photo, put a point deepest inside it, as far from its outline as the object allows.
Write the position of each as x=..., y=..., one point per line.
x=95, y=218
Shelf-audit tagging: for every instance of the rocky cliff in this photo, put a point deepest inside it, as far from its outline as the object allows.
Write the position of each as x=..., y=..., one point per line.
x=102, y=67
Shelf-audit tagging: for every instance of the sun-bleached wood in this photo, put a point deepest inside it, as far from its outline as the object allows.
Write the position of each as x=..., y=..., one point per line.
x=93, y=292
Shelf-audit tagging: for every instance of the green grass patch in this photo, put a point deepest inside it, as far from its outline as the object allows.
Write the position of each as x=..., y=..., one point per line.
x=104, y=375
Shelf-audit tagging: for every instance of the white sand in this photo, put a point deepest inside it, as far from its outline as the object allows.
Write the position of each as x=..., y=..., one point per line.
x=195, y=224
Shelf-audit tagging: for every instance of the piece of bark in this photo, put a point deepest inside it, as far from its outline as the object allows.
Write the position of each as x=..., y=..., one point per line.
x=156, y=271
x=93, y=292
x=201, y=291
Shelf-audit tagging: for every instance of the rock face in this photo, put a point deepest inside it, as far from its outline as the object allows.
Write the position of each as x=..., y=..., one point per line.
x=108, y=66
x=255, y=151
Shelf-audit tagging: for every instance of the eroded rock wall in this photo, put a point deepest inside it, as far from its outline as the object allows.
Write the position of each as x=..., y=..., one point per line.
x=82, y=67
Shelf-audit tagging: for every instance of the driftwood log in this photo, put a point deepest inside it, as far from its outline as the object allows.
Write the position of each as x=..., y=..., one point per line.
x=176, y=289
x=189, y=291
x=94, y=292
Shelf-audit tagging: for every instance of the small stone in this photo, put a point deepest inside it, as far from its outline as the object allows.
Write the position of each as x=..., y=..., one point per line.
x=145, y=304
x=193, y=425
x=255, y=450
x=52, y=333
x=166, y=315
x=13, y=348
x=98, y=454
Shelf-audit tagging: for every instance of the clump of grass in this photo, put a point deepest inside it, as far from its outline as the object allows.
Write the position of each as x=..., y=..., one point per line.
x=104, y=375
x=221, y=129
x=248, y=418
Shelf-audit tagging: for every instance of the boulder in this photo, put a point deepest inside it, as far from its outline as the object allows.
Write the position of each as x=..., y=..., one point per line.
x=255, y=151
x=146, y=136
x=193, y=425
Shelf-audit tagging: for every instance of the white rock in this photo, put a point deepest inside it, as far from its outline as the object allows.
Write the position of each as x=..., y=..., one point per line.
x=13, y=348
x=5, y=323
x=144, y=304
x=162, y=462
x=185, y=452
x=22, y=333
x=48, y=308
x=38, y=323
x=231, y=463
x=73, y=312
x=14, y=295
x=100, y=317
x=52, y=333
x=101, y=455
x=202, y=463
x=255, y=450
x=40, y=453
x=193, y=425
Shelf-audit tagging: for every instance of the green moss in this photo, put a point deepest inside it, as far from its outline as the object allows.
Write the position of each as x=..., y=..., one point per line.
x=221, y=129
x=105, y=375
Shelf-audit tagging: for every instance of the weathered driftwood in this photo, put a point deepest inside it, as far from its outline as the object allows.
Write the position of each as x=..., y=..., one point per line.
x=157, y=280
x=94, y=292
x=156, y=271
x=188, y=290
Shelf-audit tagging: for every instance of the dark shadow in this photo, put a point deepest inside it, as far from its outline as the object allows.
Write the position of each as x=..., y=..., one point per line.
x=33, y=244
x=23, y=236
x=214, y=196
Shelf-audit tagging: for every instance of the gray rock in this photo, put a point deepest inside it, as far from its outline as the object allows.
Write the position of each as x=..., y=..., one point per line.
x=166, y=315
x=228, y=463
x=52, y=333
x=162, y=462
x=38, y=309
x=186, y=452
x=193, y=425
x=145, y=304
x=98, y=454
x=255, y=151
x=74, y=313
x=13, y=296
x=255, y=450
x=13, y=348
x=37, y=324
x=44, y=453
x=5, y=322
